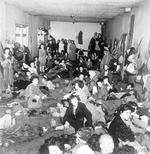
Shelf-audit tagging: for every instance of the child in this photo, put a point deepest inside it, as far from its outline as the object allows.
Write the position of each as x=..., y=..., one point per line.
x=33, y=94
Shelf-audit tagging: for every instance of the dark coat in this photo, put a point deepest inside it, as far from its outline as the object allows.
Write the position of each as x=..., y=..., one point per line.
x=92, y=45
x=77, y=120
x=119, y=130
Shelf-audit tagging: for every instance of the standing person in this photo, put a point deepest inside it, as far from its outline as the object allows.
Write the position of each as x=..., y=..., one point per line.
x=68, y=46
x=7, y=69
x=37, y=64
x=72, y=54
x=61, y=46
x=97, y=46
x=92, y=44
x=65, y=46
x=57, y=45
x=76, y=113
x=42, y=57
x=106, y=59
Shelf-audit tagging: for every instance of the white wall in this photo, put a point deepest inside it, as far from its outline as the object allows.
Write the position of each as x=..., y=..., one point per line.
x=117, y=26
x=68, y=30
x=11, y=15
x=121, y=24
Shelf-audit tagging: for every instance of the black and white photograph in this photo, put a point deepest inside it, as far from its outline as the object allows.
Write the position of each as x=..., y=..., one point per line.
x=74, y=76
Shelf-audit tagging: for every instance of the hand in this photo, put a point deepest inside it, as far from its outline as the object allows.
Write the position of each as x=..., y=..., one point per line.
x=43, y=97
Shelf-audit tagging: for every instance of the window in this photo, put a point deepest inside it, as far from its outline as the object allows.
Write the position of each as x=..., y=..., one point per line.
x=22, y=34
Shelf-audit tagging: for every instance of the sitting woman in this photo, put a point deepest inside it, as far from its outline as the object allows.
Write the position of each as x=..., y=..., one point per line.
x=76, y=113
x=99, y=91
x=33, y=94
x=120, y=128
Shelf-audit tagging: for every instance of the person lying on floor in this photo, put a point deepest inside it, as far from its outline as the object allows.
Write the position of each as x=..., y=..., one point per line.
x=76, y=113
x=59, y=70
x=33, y=95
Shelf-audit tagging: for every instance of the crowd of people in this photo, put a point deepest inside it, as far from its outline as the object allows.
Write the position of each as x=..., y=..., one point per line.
x=105, y=105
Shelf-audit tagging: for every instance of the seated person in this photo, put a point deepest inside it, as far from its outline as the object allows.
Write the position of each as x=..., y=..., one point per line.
x=32, y=69
x=21, y=80
x=81, y=91
x=120, y=128
x=33, y=94
x=76, y=113
x=60, y=110
x=106, y=83
x=80, y=70
x=100, y=90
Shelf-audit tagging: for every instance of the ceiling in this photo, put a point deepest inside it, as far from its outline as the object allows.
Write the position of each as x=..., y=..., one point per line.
x=78, y=10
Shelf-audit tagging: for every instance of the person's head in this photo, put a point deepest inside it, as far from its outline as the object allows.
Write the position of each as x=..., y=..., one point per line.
x=29, y=75
x=79, y=84
x=138, y=78
x=93, y=142
x=92, y=74
x=63, y=61
x=99, y=82
x=32, y=64
x=56, y=62
x=106, y=144
x=106, y=67
x=89, y=59
x=7, y=53
x=74, y=101
x=81, y=68
x=42, y=46
x=49, y=55
x=105, y=79
x=35, y=80
x=125, y=111
x=81, y=77
x=65, y=103
x=35, y=59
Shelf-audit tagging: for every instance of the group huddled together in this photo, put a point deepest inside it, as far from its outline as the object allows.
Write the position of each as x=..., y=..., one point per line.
x=104, y=106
